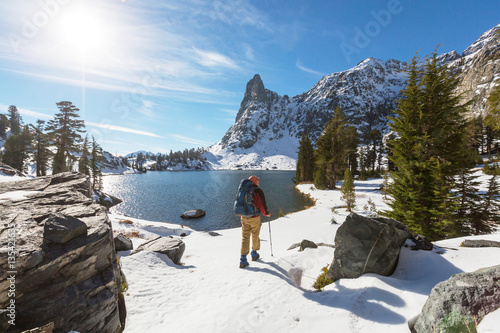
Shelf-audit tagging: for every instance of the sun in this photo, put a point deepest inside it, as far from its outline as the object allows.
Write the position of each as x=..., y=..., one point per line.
x=83, y=31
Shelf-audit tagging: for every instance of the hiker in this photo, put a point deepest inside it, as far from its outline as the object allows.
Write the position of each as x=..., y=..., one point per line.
x=251, y=225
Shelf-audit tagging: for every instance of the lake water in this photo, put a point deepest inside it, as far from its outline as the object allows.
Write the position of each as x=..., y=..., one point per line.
x=164, y=196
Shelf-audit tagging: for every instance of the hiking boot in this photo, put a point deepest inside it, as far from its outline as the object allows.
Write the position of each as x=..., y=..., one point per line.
x=243, y=261
x=255, y=255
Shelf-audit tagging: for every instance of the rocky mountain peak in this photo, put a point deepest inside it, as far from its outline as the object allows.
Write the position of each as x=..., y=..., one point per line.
x=254, y=93
x=490, y=37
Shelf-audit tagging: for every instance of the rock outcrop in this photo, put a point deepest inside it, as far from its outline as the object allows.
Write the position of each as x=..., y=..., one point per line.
x=367, y=245
x=478, y=69
x=172, y=247
x=57, y=244
x=457, y=304
x=106, y=200
x=10, y=171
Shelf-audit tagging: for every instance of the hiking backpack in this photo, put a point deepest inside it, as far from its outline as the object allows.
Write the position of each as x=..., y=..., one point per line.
x=243, y=205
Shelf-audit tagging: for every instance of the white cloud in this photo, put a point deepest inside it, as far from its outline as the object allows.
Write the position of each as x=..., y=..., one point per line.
x=146, y=108
x=214, y=59
x=232, y=112
x=185, y=139
x=139, y=36
x=121, y=129
x=299, y=65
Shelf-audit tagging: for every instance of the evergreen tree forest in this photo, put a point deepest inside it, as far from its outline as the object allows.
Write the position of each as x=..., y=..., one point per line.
x=59, y=139
x=335, y=151
x=61, y=145
x=164, y=161
x=431, y=151
x=434, y=191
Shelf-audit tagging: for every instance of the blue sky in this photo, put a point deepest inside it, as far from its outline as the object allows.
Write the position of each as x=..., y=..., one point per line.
x=169, y=75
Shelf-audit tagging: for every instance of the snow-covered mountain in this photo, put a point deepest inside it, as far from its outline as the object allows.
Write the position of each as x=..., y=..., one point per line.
x=268, y=126
x=143, y=152
x=114, y=165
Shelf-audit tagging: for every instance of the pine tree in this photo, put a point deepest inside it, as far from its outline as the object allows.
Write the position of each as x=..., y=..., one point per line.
x=83, y=162
x=468, y=201
x=334, y=147
x=41, y=151
x=95, y=165
x=15, y=120
x=305, y=161
x=429, y=151
x=4, y=121
x=362, y=157
x=385, y=188
x=489, y=210
x=16, y=149
x=404, y=191
x=348, y=191
x=65, y=130
x=492, y=118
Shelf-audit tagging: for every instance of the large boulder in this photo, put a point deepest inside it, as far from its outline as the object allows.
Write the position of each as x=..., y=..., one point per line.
x=172, y=247
x=65, y=264
x=456, y=305
x=123, y=243
x=367, y=245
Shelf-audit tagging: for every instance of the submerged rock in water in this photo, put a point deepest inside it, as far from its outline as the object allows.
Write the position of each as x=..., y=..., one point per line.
x=193, y=214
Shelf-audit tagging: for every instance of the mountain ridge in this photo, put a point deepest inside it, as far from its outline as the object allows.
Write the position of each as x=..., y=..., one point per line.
x=268, y=126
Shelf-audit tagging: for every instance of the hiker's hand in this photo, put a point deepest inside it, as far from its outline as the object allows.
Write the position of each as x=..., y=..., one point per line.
x=267, y=214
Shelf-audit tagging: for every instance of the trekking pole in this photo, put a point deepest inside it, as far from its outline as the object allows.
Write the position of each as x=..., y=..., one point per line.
x=270, y=239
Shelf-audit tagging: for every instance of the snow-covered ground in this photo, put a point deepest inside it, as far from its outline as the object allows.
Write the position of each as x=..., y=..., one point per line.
x=264, y=155
x=210, y=293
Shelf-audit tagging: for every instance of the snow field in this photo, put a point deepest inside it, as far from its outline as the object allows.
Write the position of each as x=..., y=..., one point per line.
x=275, y=294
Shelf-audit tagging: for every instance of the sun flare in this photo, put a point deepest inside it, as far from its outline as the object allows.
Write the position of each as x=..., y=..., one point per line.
x=83, y=31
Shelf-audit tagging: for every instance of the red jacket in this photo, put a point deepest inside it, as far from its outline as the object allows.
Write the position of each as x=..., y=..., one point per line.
x=259, y=200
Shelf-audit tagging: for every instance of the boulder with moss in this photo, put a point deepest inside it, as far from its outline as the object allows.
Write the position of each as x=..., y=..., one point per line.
x=461, y=302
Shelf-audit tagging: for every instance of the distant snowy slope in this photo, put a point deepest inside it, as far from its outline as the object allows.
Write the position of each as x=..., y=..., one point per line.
x=114, y=165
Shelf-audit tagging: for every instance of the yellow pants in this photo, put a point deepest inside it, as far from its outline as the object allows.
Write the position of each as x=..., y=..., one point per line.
x=250, y=226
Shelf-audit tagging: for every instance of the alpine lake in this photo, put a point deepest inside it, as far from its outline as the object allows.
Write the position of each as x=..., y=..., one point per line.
x=163, y=196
